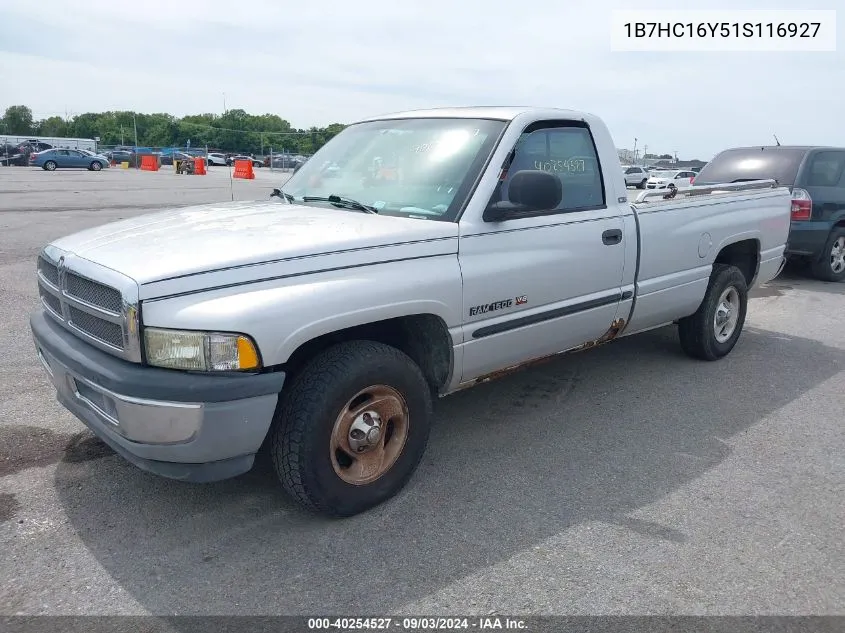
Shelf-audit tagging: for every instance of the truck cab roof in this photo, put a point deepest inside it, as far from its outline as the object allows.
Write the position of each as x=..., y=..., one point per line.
x=497, y=113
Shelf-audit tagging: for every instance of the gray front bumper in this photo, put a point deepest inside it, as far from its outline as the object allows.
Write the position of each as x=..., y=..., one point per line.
x=193, y=427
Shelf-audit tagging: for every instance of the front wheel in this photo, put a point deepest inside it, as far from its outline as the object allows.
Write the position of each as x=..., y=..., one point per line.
x=712, y=332
x=352, y=428
x=830, y=265
x=642, y=183
x=50, y=165
x=95, y=166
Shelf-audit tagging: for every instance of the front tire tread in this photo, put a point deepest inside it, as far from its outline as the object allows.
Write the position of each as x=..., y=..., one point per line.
x=303, y=404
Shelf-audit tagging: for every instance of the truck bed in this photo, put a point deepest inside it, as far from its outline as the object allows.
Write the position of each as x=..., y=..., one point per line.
x=680, y=238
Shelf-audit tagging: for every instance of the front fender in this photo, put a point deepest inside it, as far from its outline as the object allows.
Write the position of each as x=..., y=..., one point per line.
x=280, y=315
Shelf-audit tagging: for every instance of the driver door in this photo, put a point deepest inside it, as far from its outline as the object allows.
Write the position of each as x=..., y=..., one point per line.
x=546, y=283
x=77, y=158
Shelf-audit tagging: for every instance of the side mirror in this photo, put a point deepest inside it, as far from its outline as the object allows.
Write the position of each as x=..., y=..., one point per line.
x=277, y=193
x=529, y=190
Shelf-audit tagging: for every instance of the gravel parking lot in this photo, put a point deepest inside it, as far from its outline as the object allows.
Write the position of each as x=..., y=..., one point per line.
x=627, y=480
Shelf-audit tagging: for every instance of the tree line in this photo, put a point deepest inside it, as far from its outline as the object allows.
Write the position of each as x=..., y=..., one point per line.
x=235, y=131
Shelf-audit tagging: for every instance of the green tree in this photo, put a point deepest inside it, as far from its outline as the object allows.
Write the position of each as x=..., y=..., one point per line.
x=18, y=120
x=235, y=131
x=52, y=126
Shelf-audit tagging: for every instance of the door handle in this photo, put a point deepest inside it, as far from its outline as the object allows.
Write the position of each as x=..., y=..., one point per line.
x=611, y=237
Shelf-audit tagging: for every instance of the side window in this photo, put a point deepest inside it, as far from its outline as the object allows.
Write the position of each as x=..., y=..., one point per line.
x=62, y=152
x=567, y=151
x=826, y=169
x=632, y=170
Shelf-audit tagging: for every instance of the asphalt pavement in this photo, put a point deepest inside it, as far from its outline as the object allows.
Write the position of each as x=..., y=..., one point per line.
x=625, y=480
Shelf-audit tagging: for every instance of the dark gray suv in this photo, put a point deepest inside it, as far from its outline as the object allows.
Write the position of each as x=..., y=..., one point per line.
x=816, y=177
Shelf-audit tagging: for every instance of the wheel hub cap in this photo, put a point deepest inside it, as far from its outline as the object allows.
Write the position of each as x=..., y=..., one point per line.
x=727, y=315
x=369, y=434
x=365, y=432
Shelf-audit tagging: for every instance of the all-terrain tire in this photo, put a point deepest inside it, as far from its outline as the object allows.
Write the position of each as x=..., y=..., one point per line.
x=700, y=334
x=303, y=429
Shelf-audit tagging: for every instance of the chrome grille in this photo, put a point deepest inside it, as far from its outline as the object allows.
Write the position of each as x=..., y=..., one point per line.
x=50, y=272
x=92, y=292
x=50, y=300
x=100, y=329
x=102, y=312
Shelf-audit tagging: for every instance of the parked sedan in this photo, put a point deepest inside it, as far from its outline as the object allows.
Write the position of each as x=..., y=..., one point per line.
x=52, y=159
x=671, y=179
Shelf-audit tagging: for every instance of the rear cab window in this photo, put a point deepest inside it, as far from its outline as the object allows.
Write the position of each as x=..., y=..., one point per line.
x=753, y=163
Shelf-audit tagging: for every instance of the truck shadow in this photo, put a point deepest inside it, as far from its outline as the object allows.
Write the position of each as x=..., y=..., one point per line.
x=589, y=437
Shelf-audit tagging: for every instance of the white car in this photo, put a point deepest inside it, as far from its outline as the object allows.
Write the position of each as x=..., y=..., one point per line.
x=636, y=177
x=216, y=159
x=671, y=179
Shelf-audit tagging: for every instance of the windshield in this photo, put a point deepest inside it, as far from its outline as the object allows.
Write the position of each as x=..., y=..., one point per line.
x=663, y=174
x=408, y=167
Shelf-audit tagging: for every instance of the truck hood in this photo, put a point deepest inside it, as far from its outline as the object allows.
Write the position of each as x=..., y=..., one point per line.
x=180, y=248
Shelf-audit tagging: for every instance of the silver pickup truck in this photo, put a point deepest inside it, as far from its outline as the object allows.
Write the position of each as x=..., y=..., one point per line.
x=414, y=255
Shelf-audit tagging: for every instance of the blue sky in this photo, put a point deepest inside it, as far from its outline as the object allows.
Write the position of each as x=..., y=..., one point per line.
x=316, y=62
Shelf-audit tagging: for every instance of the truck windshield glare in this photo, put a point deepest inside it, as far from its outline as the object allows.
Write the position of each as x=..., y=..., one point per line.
x=407, y=167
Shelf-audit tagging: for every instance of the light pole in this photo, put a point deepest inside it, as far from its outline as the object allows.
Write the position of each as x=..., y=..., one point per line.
x=135, y=153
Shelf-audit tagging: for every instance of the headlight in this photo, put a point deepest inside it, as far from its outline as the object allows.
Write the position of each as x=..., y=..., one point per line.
x=200, y=351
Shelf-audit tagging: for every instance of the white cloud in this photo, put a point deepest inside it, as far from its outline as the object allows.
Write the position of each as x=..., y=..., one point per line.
x=323, y=61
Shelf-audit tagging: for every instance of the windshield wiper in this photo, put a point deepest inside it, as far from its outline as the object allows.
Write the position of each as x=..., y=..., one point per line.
x=278, y=193
x=342, y=201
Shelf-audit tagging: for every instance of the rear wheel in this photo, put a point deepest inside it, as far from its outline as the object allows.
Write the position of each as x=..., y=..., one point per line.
x=642, y=183
x=352, y=428
x=50, y=165
x=712, y=332
x=830, y=265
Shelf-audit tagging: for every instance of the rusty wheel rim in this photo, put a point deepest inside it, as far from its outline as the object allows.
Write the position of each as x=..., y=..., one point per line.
x=369, y=434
